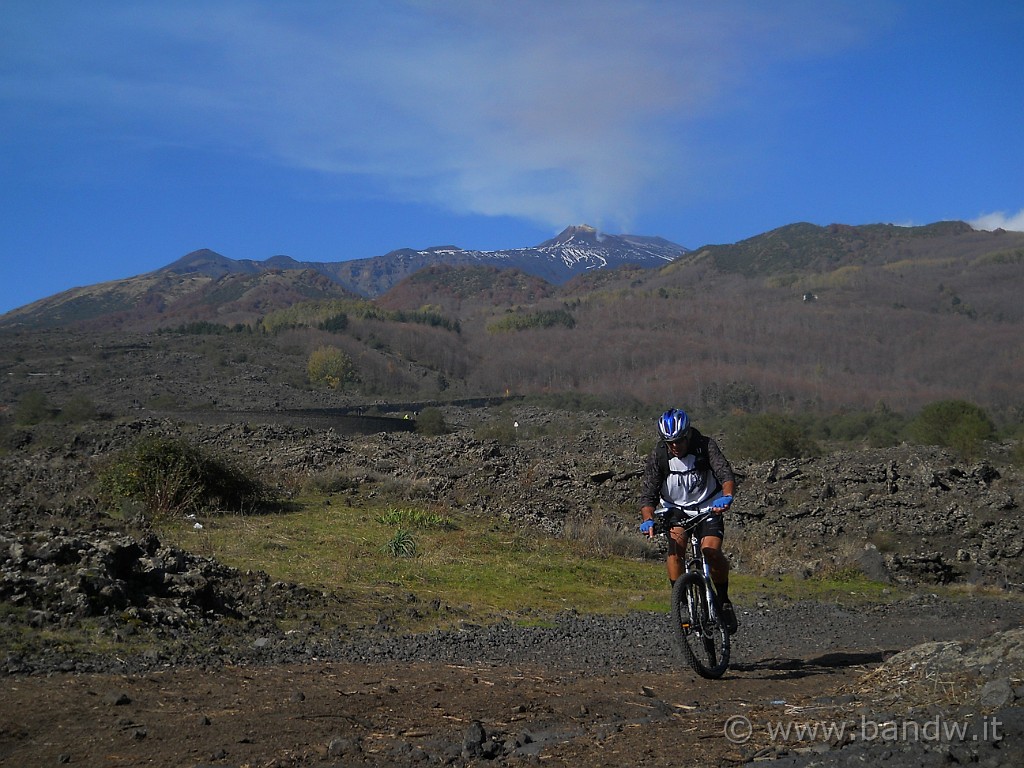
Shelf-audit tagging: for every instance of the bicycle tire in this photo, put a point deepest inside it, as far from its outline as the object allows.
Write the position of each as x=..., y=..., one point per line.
x=699, y=630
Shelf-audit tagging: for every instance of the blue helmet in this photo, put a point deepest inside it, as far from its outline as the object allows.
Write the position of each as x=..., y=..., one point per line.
x=673, y=424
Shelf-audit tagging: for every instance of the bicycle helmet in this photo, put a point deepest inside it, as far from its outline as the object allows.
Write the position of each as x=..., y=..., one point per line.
x=673, y=424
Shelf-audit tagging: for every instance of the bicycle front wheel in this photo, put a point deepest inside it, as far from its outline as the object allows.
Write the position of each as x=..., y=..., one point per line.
x=698, y=626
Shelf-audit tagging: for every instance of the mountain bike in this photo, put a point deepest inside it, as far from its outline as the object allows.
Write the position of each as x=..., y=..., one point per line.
x=697, y=623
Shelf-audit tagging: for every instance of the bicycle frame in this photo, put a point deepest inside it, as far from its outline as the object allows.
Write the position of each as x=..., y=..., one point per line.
x=667, y=518
x=693, y=558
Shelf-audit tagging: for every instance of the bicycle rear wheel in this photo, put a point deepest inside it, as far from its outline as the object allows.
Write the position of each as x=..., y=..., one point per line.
x=699, y=630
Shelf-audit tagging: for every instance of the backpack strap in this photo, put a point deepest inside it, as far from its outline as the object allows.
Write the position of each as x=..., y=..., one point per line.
x=699, y=448
x=662, y=456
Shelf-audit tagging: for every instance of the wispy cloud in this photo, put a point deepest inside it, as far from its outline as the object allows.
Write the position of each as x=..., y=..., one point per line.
x=553, y=111
x=1000, y=220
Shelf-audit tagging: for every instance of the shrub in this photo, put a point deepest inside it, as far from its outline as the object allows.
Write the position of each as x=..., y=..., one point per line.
x=772, y=436
x=329, y=366
x=201, y=328
x=33, y=408
x=330, y=481
x=593, y=537
x=503, y=431
x=169, y=477
x=880, y=427
x=79, y=408
x=954, y=424
x=9, y=437
x=731, y=396
x=431, y=422
x=1017, y=457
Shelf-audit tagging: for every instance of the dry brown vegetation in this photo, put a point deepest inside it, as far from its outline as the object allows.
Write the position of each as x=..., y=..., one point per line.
x=801, y=319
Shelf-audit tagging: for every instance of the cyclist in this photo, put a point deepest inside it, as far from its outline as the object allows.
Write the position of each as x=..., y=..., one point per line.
x=687, y=468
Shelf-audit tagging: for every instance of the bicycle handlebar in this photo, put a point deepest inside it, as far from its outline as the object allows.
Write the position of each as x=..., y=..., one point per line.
x=674, y=516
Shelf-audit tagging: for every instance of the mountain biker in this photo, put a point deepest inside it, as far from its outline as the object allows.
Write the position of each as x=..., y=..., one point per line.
x=687, y=468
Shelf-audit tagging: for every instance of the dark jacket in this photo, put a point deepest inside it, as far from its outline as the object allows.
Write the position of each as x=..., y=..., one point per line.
x=656, y=469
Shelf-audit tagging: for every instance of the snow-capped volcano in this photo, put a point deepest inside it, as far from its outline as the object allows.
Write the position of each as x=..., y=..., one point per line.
x=583, y=245
x=574, y=250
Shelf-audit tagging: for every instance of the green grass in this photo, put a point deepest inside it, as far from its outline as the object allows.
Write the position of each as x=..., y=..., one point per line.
x=847, y=587
x=480, y=566
x=476, y=568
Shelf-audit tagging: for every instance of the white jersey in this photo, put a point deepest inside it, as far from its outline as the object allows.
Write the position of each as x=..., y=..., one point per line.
x=685, y=484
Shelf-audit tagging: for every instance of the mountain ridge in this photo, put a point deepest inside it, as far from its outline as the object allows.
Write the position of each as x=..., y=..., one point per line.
x=574, y=250
x=204, y=285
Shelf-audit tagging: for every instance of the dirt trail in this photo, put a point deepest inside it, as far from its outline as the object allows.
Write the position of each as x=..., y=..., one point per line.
x=790, y=663
x=397, y=714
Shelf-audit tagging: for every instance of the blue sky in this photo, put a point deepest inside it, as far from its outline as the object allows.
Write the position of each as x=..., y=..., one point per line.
x=132, y=133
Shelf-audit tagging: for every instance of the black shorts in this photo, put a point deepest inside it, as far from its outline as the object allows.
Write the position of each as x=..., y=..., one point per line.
x=712, y=526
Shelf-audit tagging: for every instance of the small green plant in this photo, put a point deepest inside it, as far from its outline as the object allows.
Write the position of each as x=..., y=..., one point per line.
x=402, y=544
x=415, y=518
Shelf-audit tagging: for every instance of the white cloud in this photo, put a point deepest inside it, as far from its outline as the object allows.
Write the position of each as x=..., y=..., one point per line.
x=1000, y=220
x=571, y=110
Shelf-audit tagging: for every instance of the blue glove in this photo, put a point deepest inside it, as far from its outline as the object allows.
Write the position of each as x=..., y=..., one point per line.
x=646, y=526
x=721, y=502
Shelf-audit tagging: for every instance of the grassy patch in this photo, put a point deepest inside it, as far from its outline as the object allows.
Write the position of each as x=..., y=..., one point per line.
x=477, y=565
x=416, y=518
x=86, y=637
x=480, y=568
x=844, y=587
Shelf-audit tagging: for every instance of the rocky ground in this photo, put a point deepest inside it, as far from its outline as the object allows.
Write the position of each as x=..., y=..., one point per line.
x=193, y=667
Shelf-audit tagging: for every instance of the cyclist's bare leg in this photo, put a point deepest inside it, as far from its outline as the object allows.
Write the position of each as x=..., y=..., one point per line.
x=677, y=545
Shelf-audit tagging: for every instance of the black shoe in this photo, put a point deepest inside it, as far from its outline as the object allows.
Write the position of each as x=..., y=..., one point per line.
x=729, y=617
